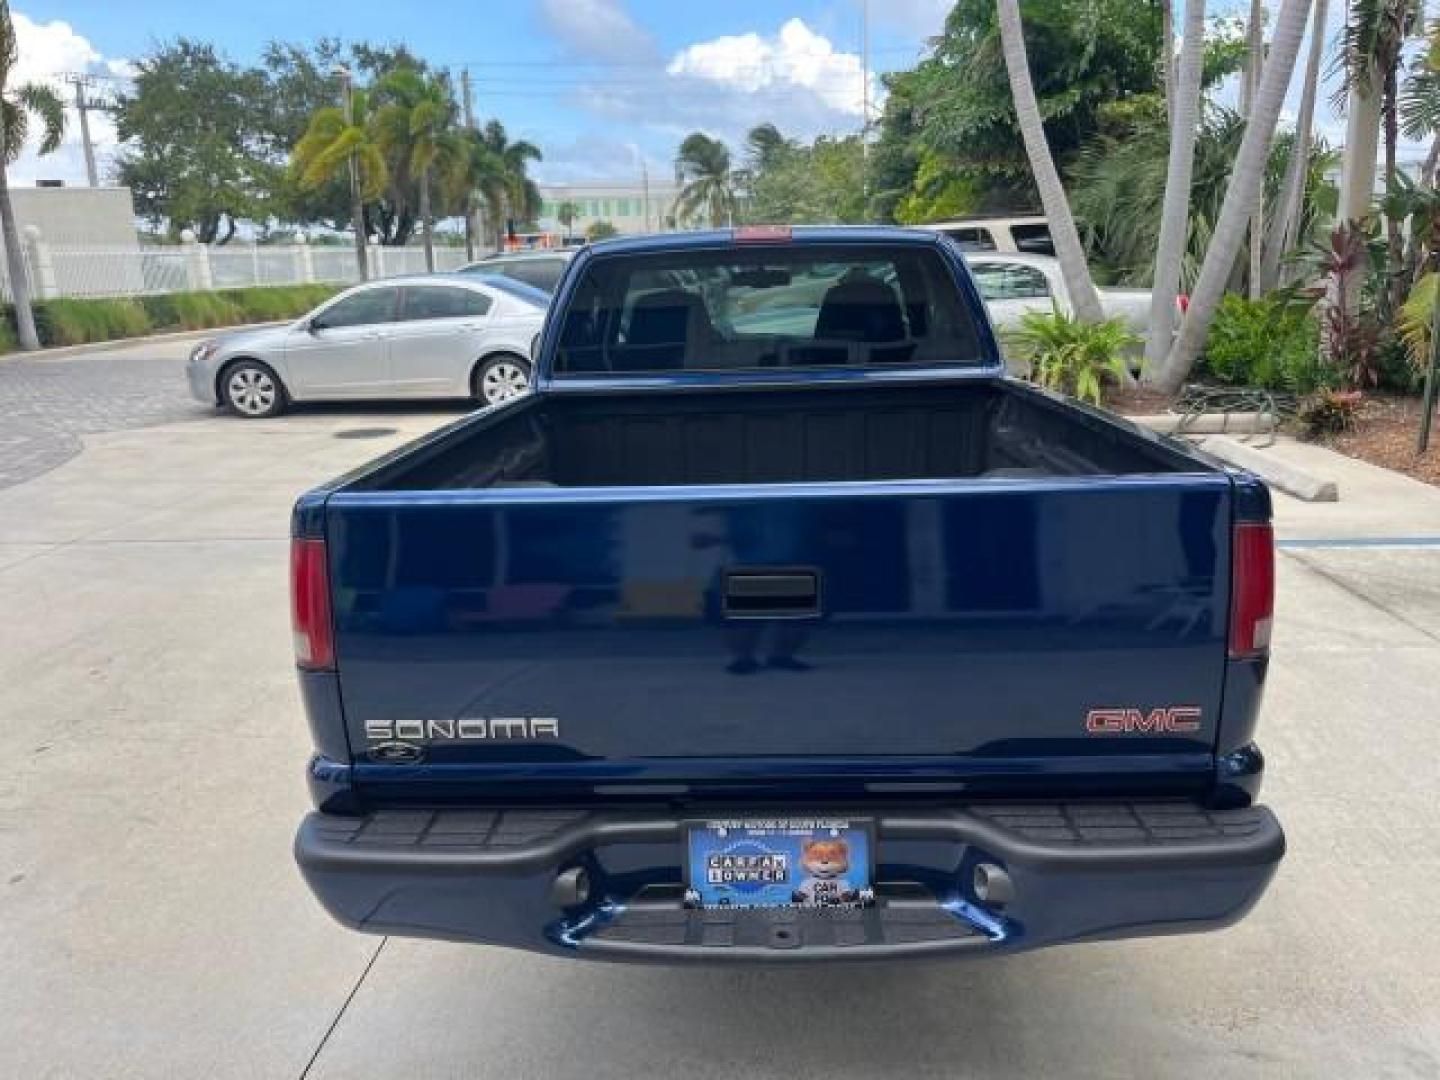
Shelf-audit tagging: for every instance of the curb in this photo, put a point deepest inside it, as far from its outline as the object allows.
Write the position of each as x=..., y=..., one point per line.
x=1247, y=423
x=1281, y=474
x=63, y=352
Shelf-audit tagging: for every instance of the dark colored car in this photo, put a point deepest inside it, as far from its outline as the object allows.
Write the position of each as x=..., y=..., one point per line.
x=542, y=269
x=779, y=625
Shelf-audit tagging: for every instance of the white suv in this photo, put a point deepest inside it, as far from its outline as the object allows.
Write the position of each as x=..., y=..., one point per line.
x=1023, y=235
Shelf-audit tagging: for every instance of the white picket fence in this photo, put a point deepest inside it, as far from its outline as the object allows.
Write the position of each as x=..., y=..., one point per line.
x=59, y=271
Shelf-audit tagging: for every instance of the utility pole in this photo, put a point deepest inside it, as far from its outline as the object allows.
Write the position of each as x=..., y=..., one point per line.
x=865, y=101
x=83, y=105
x=357, y=211
x=472, y=204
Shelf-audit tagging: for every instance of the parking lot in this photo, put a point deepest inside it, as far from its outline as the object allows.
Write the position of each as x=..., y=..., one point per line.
x=155, y=926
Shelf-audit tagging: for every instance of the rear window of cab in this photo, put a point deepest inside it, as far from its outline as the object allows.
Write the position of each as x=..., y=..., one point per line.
x=763, y=307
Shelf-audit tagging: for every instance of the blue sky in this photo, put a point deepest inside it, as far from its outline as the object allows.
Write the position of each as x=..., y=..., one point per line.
x=598, y=84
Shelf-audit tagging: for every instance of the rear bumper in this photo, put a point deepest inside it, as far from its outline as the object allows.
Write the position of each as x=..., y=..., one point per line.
x=1073, y=871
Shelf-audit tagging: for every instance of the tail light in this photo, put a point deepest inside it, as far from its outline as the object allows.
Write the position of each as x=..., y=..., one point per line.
x=1182, y=301
x=1252, y=590
x=762, y=234
x=310, y=605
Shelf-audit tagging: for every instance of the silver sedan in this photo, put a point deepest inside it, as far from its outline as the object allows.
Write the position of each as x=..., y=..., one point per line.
x=437, y=336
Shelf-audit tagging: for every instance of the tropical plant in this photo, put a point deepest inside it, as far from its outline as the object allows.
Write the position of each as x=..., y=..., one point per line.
x=416, y=125
x=1372, y=45
x=1285, y=221
x=1329, y=412
x=702, y=167
x=1351, y=330
x=1118, y=183
x=707, y=186
x=510, y=192
x=566, y=213
x=342, y=141
x=1073, y=267
x=1073, y=357
x=17, y=105
x=1420, y=103
x=955, y=109
x=1184, y=112
x=1414, y=322
x=1272, y=343
x=1246, y=188
x=601, y=230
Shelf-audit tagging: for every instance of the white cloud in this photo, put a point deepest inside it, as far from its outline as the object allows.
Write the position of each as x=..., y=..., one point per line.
x=597, y=29
x=45, y=51
x=797, y=60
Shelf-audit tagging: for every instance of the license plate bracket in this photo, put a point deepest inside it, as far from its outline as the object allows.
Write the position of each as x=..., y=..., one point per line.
x=779, y=862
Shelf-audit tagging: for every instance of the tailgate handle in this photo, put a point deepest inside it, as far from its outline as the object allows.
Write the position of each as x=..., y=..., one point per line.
x=772, y=594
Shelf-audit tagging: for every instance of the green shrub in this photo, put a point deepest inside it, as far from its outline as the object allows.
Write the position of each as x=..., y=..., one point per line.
x=76, y=322
x=1070, y=356
x=1329, y=412
x=273, y=304
x=192, y=310
x=1272, y=343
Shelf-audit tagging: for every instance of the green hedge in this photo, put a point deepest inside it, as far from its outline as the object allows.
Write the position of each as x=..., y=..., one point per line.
x=76, y=322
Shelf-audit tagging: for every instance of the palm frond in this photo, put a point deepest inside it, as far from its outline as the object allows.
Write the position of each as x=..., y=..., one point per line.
x=46, y=104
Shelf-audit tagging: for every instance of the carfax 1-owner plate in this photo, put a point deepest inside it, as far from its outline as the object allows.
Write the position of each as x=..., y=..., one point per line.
x=779, y=862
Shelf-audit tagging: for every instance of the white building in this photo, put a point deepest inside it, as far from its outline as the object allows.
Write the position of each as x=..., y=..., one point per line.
x=627, y=205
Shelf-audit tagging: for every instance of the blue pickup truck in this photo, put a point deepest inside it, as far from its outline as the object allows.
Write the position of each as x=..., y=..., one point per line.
x=777, y=624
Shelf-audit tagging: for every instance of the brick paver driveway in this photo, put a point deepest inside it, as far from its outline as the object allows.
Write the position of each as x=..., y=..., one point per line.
x=47, y=404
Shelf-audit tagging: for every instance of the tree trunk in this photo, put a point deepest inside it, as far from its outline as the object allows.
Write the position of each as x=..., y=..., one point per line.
x=357, y=221
x=1284, y=230
x=1246, y=182
x=1167, y=57
x=1071, y=254
x=1432, y=162
x=1175, y=211
x=427, y=221
x=1362, y=143
x=469, y=227
x=1253, y=71
x=15, y=264
x=1394, y=245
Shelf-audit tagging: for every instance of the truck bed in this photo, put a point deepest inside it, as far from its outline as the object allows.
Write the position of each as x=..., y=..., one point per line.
x=777, y=436
x=640, y=566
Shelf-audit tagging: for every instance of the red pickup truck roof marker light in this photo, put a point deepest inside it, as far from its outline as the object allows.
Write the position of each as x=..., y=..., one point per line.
x=761, y=234
x=310, y=605
x=1252, y=590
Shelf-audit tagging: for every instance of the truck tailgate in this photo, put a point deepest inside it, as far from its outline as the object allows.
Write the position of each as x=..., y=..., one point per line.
x=989, y=632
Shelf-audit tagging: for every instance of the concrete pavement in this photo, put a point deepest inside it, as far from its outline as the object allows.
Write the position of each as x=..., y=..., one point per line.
x=154, y=925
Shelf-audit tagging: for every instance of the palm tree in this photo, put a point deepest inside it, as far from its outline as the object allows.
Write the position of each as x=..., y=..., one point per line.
x=418, y=124
x=1420, y=104
x=1254, y=67
x=476, y=169
x=1245, y=190
x=336, y=141
x=511, y=191
x=703, y=167
x=16, y=108
x=1285, y=221
x=1372, y=46
x=1175, y=211
x=1083, y=297
x=567, y=212
x=765, y=143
